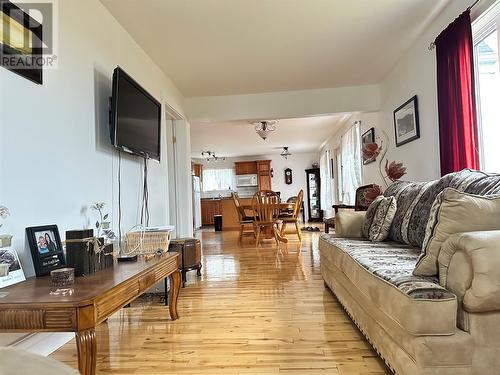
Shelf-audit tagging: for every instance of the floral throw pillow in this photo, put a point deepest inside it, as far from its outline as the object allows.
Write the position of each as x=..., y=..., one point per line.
x=379, y=218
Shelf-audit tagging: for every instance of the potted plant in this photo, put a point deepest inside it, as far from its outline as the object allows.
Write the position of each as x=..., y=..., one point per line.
x=102, y=224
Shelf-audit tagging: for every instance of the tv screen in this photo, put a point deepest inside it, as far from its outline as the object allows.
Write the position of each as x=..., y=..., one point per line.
x=136, y=117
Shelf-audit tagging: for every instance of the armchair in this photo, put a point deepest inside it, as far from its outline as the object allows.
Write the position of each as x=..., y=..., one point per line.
x=360, y=204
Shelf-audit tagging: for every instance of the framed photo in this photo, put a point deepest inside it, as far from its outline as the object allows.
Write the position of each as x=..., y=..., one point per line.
x=20, y=42
x=367, y=137
x=406, y=126
x=13, y=272
x=46, y=248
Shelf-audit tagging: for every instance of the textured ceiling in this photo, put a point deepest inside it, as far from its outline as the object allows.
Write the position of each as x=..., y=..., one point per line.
x=222, y=47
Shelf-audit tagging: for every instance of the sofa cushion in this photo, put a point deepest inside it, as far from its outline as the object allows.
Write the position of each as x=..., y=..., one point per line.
x=415, y=199
x=392, y=262
x=386, y=281
x=378, y=218
x=454, y=211
x=349, y=223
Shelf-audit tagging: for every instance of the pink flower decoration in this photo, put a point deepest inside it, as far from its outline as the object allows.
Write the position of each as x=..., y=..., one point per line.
x=394, y=170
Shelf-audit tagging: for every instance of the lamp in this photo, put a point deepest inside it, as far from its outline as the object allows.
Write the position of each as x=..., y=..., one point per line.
x=210, y=155
x=285, y=153
x=263, y=128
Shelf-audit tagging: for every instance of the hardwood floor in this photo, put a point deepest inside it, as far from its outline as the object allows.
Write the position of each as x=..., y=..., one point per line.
x=253, y=311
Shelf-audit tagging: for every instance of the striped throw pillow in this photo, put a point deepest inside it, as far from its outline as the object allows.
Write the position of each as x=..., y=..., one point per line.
x=379, y=218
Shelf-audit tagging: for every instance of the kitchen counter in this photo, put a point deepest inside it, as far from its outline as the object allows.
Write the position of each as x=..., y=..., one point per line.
x=222, y=206
x=230, y=218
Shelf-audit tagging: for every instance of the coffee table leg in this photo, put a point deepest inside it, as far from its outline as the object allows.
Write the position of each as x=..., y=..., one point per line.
x=86, y=346
x=175, y=286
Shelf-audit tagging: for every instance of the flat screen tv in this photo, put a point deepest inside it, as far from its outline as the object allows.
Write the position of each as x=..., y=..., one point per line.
x=135, y=117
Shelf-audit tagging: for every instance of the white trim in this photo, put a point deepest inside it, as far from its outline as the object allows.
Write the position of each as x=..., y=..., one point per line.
x=43, y=343
x=485, y=23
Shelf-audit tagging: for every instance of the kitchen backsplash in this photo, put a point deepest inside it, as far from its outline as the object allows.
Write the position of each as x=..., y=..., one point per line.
x=216, y=194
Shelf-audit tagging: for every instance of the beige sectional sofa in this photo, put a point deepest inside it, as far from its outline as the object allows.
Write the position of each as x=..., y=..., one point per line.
x=446, y=324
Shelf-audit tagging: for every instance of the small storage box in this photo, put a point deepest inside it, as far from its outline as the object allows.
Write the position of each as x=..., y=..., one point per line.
x=83, y=257
x=189, y=250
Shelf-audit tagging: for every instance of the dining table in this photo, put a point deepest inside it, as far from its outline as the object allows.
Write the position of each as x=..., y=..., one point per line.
x=282, y=206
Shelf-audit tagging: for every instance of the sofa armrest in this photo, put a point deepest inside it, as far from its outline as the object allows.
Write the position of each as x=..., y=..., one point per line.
x=469, y=266
x=349, y=223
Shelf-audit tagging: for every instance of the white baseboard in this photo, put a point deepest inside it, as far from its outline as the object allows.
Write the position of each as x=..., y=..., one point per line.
x=43, y=343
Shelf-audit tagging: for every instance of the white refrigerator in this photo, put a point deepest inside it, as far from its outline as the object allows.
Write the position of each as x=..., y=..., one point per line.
x=196, y=203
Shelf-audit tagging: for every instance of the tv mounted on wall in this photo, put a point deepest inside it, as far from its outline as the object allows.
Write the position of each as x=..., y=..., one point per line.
x=135, y=117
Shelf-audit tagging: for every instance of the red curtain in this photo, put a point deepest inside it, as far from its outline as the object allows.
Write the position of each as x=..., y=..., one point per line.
x=458, y=134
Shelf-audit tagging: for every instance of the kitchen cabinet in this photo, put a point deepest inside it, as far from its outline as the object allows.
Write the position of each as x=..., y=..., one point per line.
x=209, y=208
x=245, y=167
x=264, y=174
x=197, y=169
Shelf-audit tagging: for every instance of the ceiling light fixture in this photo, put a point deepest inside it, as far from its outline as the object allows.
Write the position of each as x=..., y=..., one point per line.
x=285, y=153
x=210, y=156
x=263, y=128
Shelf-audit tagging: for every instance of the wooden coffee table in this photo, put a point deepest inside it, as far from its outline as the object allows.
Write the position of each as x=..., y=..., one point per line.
x=30, y=306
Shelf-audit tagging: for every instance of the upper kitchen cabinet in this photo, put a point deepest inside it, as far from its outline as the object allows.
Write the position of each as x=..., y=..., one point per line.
x=264, y=174
x=245, y=167
x=197, y=169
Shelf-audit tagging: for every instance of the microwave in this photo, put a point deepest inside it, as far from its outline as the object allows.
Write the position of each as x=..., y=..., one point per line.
x=246, y=180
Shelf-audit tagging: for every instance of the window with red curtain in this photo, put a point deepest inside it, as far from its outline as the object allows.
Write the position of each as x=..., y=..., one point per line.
x=458, y=133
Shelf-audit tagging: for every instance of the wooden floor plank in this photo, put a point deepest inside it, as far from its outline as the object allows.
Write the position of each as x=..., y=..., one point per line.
x=253, y=311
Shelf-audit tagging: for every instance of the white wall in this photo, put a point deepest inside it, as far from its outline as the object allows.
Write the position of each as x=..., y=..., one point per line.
x=298, y=163
x=415, y=74
x=55, y=154
x=287, y=104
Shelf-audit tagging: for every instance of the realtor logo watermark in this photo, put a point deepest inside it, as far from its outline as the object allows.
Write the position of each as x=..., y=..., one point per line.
x=28, y=34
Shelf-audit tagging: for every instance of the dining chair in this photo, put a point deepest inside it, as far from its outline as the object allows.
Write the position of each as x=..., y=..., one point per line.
x=265, y=205
x=293, y=217
x=243, y=219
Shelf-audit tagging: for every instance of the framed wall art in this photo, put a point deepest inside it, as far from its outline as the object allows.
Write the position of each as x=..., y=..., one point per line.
x=406, y=125
x=21, y=42
x=367, y=137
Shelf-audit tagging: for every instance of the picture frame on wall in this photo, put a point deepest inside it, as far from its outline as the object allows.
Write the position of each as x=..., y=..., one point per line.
x=46, y=248
x=367, y=137
x=406, y=122
x=21, y=43
x=11, y=271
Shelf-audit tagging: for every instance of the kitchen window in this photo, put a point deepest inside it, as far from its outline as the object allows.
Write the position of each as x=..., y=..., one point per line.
x=218, y=179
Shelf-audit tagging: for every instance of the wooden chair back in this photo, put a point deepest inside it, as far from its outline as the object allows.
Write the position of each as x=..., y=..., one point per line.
x=298, y=204
x=360, y=204
x=265, y=205
x=239, y=209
